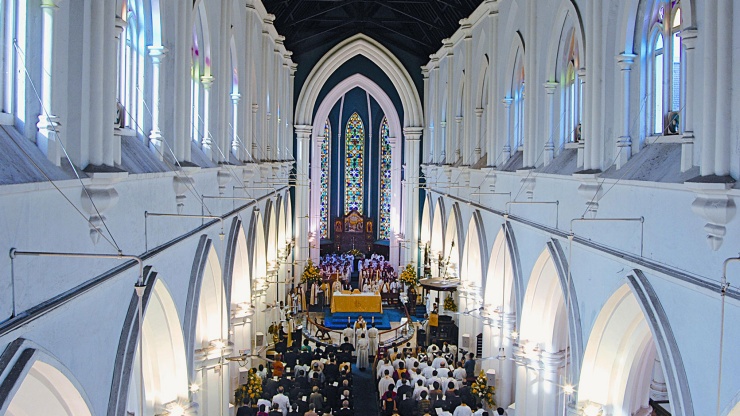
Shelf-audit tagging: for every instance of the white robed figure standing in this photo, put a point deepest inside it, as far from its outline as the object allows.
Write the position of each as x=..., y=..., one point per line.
x=363, y=346
x=372, y=335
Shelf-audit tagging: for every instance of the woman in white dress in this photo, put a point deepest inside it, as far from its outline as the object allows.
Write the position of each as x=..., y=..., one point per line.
x=363, y=347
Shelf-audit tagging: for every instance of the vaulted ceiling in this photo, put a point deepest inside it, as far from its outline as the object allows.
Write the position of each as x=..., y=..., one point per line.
x=416, y=27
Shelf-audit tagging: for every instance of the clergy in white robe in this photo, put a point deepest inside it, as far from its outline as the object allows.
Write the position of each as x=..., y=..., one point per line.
x=363, y=346
x=372, y=335
x=349, y=333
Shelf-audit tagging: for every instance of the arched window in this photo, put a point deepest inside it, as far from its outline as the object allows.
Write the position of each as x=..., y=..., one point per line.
x=7, y=62
x=195, y=68
x=518, y=105
x=131, y=70
x=354, y=142
x=325, y=159
x=571, y=92
x=384, y=228
x=665, y=68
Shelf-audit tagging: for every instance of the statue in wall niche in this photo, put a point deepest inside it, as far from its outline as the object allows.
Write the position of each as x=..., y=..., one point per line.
x=672, y=123
x=577, y=134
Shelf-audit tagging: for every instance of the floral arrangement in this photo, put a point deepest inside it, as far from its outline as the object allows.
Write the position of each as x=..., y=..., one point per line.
x=251, y=390
x=409, y=276
x=310, y=273
x=450, y=304
x=356, y=253
x=483, y=391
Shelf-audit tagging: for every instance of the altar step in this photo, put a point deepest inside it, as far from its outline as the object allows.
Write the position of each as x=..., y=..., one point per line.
x=338, y=320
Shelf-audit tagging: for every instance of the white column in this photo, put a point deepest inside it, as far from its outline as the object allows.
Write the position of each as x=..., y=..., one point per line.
x=595, y=142
x=522, y=384
x=478, y=132
x=396, y=226
x=96, y=128
x=469, y=127
x=269, y=136
x=47, y=138
x=235, y=148
x=723, y=148
x=301, y=220
x=412, y=136
x=688, y=37
x=551, y=390
x=507, y=128
x=709, y=128
x=155, y=135
x=253, y=139
x=120, y=116
x=550, y=131
x=206, y=142
x=443, y=142
x=459, y=137
x=585, y=119
x=624, y=143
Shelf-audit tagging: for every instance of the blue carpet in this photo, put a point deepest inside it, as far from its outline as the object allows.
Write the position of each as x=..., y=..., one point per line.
x=364, y=391
x=382, y=320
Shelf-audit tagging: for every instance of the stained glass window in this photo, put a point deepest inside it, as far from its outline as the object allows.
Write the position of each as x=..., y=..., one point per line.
x=324, y=227
x=384, y=229
x=354, y=142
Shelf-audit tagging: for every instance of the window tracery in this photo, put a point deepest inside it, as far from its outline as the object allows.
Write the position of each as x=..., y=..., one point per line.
x=384, y=229
x=354, y=139
x=324, y=184
x=666, y=68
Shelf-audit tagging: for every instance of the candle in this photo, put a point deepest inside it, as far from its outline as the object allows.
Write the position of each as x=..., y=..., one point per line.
x=373, y=319
x=348, y=321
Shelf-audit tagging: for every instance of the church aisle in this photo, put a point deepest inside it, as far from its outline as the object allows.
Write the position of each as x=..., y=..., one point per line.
x=363, y=391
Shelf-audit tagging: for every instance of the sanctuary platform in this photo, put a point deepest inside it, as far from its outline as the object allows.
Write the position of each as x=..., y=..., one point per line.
x=338, y=321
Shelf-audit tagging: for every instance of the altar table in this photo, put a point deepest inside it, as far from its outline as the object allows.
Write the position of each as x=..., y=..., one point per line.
x=359, y=302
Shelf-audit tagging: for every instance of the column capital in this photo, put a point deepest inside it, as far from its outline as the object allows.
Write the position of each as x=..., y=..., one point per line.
x=157, y=50
x=550, y=87
x=458, y=119
x=49, y=4
x=207, y=81
x=235, y=97
x=255, y=107
x=507, y=101
x=120, y=25
x=625, y=60
x=303, y=132
x=413, y=133
x=479, y=112
x=688, y=37
x=581, y=74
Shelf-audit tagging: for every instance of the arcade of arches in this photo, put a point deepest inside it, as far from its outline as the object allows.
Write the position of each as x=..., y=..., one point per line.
x=168, y=168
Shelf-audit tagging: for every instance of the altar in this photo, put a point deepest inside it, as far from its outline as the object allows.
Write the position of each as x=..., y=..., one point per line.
x=357, y=302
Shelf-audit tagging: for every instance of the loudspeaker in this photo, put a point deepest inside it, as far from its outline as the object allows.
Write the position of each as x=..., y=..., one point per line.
x=466, y=341
x=259, y=340
x=491, y=377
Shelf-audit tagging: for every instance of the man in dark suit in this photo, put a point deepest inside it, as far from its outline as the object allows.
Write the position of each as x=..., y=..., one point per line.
x=405, y=388
x=245, y=409
x=345, y=410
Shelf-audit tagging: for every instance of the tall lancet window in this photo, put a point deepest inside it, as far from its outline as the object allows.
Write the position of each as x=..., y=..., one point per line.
x=385, y=182
x=667, y=66
x=325, y=159
x=354, y=170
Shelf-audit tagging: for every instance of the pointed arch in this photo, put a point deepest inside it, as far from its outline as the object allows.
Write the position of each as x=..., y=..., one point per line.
x=37, y=383
x=437, y=243
x=270, y=222
x=385, y=181
x=618, y=361
x=360, y=44
x=354, y=166
x=426, y=221
x=454, y=233
x=472, y=268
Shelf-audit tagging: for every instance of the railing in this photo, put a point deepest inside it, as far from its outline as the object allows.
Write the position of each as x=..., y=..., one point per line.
x=401, y=334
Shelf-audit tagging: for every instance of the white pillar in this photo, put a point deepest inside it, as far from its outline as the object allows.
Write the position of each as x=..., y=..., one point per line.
x=624, y=143
x=301, y=221
x=253, y=139
x=459, y=138
x=412, y=136
x=235, y=148
x=47, y=138
x=507, y=128
x=443, y=142
x=585, y=120
x=478, y=132
x=396, y=222
x=688, y=37
x=550, y=131
x=155, y=135
x=723, y=148
x=206, y=142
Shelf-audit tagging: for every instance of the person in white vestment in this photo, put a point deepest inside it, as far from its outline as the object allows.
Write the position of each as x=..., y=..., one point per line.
x=463, y=410
x=372, y=335
x=349, y=333
x=363, y=346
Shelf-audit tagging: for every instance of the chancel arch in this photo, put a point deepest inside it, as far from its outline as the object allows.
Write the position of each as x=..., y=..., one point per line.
x=258, y=254
x=322, y=170
x=39, y=385
x=240, y=297
x=426, y=222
